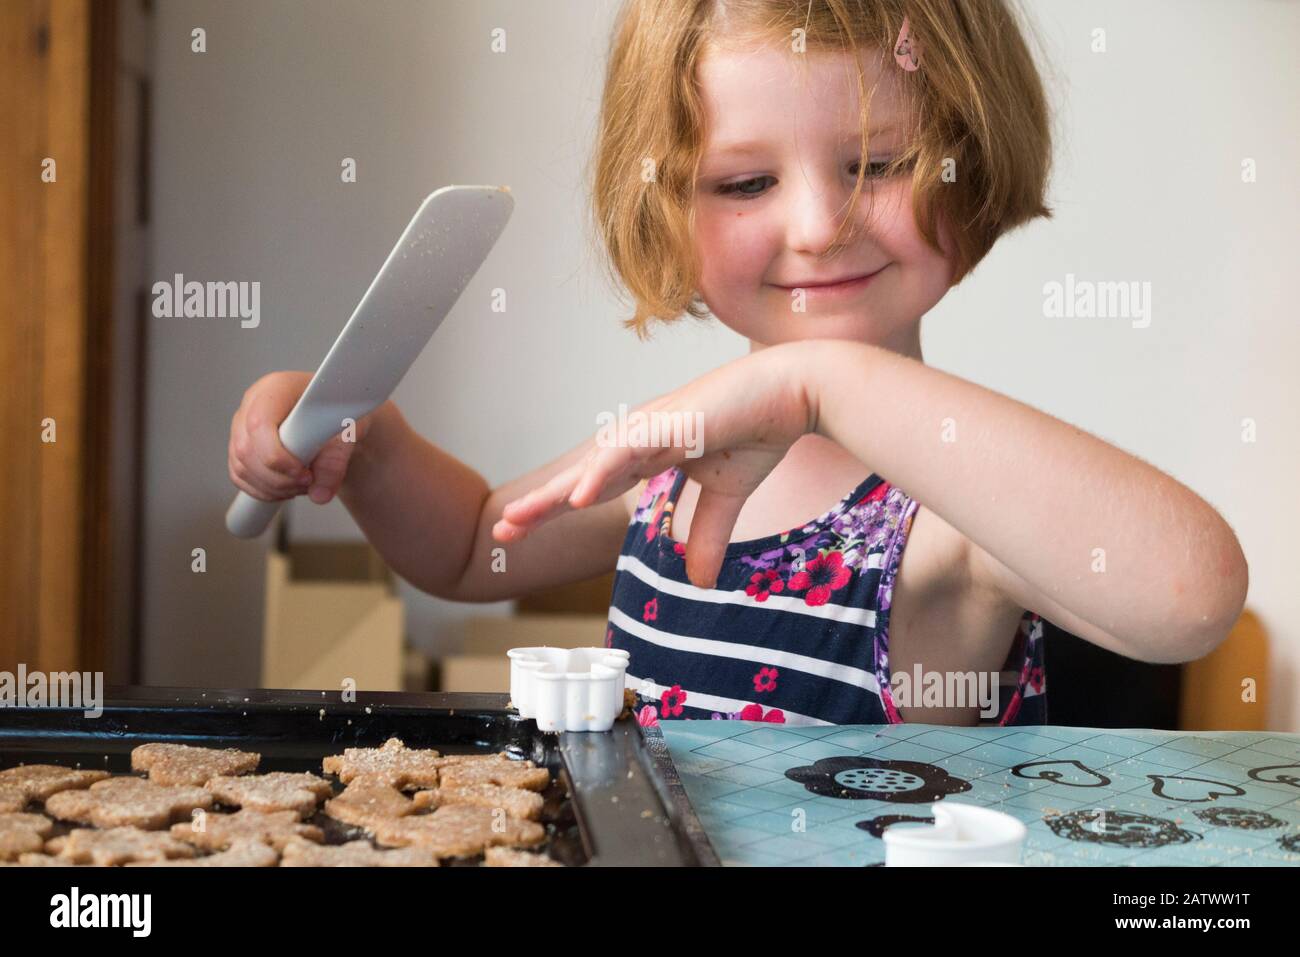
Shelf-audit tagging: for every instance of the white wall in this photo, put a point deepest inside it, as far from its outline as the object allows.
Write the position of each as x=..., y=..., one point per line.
x=248, y=141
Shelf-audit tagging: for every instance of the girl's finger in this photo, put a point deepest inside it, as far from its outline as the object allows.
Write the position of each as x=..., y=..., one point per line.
x=271, y=455
x=603, y=465
x=544, y=502
x=329, y=469
x=273, y=484
x=711, y=526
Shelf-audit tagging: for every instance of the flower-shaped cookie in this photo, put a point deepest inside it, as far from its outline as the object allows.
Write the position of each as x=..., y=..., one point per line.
x=394, y=763
x=183, y=764
x=124, y=801
x=276, y=791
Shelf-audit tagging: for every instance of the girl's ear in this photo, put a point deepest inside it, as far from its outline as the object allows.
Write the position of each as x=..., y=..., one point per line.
x=907, y=52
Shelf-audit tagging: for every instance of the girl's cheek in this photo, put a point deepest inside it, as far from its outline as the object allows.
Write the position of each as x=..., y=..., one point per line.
x=731, y=245
x=896, y=232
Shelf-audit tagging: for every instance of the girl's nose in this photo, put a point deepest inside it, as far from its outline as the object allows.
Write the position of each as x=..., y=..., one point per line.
x=816, y=213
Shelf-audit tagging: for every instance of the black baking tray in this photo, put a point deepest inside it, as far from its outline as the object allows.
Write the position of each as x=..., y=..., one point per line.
x=613, y=801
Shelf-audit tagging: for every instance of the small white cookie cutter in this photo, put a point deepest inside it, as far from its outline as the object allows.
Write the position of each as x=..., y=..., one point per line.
x=568, y=689
x=962, y=835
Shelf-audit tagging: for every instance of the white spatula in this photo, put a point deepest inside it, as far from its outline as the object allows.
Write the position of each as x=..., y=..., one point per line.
x=438, y=253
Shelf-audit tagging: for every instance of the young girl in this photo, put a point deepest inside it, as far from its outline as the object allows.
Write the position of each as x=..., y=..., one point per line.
x=864, y=539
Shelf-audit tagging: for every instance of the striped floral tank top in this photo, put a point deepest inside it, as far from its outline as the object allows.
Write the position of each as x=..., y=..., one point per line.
x=796, y=628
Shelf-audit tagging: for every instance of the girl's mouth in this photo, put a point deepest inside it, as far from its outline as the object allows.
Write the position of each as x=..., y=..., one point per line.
x=837, y=290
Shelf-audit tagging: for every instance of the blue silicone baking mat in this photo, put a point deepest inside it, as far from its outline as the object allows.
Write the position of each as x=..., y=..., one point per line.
x=772, y=795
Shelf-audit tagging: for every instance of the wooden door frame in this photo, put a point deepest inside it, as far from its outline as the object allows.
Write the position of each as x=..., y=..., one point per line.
x=56, y=259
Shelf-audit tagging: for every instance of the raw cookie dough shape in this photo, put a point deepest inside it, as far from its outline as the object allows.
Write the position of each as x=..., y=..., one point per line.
x=275, y=791
x=394, y=763
x=503, y=773
x=513, y=857
x=367, y=801
x=240, y=854
x=183, y=764
x=354, y=854
x=36, y=782
x=516, y=802
x=221, y=831
x=23, y=834
x=458, y=830
x=120, y=802
x=118, y=845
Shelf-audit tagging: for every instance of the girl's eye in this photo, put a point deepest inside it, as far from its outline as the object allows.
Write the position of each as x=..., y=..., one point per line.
x=740, y=189
x=874, y=170
x=749, y=188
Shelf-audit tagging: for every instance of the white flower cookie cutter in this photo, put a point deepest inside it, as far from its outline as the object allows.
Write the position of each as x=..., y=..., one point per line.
x=568, y=689
x=962, y=835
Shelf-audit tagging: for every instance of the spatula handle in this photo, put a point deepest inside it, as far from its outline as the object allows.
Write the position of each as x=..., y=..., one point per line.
x=249, y=517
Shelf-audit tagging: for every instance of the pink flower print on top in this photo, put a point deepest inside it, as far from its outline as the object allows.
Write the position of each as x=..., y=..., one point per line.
x=762, y=584
x=765, y=680
x=1036, y=678
x=651, y=610
x=821, y=576
x=754, y=712
x=672, y=701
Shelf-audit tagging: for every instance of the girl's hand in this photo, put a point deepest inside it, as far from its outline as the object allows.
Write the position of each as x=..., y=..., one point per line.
x=747, y=414
x=258, y=462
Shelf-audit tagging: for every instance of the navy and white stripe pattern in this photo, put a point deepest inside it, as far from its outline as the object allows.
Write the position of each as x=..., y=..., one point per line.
x=796, y=629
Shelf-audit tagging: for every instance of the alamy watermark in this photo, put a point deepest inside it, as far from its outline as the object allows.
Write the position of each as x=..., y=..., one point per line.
x=946, y=689
x=54, y=689
x=179, y=299
x=654, y=428
x=1089, y=299
x=75, y=909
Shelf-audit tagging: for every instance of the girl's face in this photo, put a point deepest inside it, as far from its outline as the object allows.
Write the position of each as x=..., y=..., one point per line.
x=775, y=181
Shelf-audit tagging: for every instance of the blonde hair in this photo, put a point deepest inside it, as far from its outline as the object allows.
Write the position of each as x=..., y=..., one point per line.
x=977, y=100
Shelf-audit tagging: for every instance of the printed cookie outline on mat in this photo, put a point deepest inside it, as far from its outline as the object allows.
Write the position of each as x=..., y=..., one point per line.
x=217, y=832
x=876, y=826
x=1255, y=774
x=1244, y=818
x=124, y=801
x=1059, y=777
x=1118, y=828
x=184, y=764
x=301, y=792
x=1161, y=781
x=877, y=779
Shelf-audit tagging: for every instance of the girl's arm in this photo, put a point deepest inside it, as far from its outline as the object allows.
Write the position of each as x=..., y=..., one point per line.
x=1058, y=521
x=431, y=516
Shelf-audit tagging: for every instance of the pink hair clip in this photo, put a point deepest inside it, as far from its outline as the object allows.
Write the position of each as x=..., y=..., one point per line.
x=907, y=52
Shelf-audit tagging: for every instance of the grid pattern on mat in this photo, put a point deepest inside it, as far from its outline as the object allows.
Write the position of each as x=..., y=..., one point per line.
x=734, y=773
